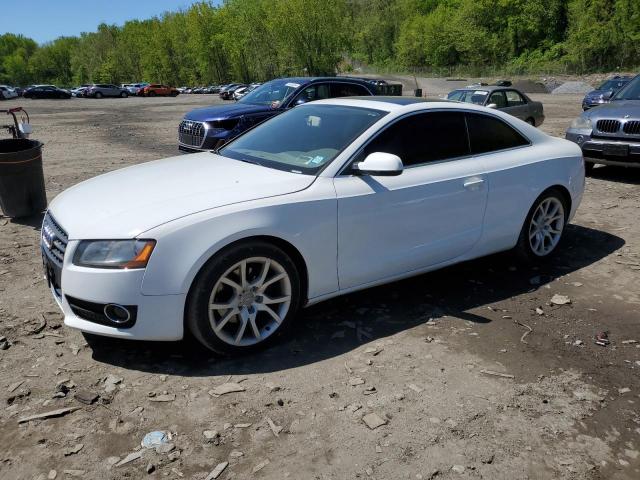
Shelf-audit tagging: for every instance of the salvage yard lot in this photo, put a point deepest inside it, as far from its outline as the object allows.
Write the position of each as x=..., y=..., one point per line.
x=419, y=360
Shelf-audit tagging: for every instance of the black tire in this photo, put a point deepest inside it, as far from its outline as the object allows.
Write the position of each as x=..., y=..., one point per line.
x=124, y=95
x=524, y=250
x=98, y=95
x=588, y=167
x=197, y=314
x=531, y=121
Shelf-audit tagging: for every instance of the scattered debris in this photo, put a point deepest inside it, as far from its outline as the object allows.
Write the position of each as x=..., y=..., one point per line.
x=14, y=386
x=415, y=388
x=373, y=420
x=51, y=414
x=86, y=397
x=458, y=468
x=558, y=299
x=216, y=472
x=74, y=473
x=155, y=439
x=226, y=388
x=624, y=390
x=150, y=468
x=165, y=397
x=369, y=390
x=260, y=466
x=497, y=374
x=602, y=339
x=524, y=335
x=274, y=428
x=52, y=475
x=130, y=458
x=4, y=343
x=577, y=343
x=111, y=383
x=629, y=342
x=373, y=350
x=73, y=450
x=355, y=381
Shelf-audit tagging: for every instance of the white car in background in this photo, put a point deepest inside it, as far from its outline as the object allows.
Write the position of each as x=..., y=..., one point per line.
x=327, y=198
x=7, y=92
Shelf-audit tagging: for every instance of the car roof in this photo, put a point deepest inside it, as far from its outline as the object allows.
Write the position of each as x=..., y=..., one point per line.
x=391, y=104
x=488, y=88
x=307, y=80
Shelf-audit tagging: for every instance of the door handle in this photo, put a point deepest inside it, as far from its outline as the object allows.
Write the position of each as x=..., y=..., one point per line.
x=473, y=183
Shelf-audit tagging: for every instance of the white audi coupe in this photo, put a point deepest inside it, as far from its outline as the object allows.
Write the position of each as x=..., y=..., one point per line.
x=330, y=197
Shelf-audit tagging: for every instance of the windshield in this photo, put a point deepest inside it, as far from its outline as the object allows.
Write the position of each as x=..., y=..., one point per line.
x=303, y=139
x=612, y=84
x=469, y=96
x=272, y=93
x=630, y=92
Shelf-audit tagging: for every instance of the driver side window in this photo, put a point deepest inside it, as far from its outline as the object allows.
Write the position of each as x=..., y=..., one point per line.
x=423, y=138
x=319, y=91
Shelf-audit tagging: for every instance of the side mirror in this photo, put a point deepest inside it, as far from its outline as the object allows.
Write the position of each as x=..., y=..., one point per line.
x=607, y=95
x=300, y=101
x=492, y=105
x=380, y=164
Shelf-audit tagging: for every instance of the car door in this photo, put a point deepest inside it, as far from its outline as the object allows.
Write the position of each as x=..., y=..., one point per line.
x=517, y=105
x=431, y=213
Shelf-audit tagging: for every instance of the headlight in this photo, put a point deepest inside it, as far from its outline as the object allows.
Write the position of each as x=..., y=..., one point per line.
x=581, y=123
x=114, y=253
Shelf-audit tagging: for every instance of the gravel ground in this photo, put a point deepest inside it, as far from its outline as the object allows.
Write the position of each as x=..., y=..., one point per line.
x=431, y=377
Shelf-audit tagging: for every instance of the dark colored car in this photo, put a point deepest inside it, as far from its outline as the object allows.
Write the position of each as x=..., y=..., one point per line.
x=210, y=127
x=45, y=91
x=507, y=99
x=610, y=134
x=604, y=92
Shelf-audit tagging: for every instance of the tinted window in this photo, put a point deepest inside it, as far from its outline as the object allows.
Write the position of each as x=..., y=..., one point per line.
x=319, y=91
x=423, y=138
x=488, y=134
x=469, y=96
x=514, y=99
x=498, y=99
x=348, y=90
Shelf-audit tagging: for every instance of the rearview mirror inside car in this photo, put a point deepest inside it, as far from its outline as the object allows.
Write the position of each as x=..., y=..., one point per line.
x=379, y=164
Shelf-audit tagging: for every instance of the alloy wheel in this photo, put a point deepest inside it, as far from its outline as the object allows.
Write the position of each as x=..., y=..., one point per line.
x=249, y=302
x=545, y=229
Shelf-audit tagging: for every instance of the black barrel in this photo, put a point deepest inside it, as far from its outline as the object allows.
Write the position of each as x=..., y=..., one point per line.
x=22, y=190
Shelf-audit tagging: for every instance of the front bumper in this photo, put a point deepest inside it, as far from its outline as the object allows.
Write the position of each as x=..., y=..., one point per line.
x=605, y=151
x=158, y=317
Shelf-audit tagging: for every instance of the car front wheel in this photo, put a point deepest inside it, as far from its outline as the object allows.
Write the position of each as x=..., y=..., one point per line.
x=243, y=298
x=543, y=227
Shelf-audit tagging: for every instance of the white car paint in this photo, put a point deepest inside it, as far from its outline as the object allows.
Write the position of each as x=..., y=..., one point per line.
x=8, y=92
x=351, y=231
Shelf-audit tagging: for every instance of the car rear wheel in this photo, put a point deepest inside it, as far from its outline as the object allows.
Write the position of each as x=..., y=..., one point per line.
x=98, y=95
x=243, y=298
x=543, y=228
x=124, y=94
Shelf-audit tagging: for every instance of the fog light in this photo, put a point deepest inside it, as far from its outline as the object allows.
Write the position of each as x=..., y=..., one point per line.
x=117, y=313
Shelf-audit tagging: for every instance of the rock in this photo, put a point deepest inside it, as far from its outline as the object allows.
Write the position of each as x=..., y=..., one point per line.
x=111, y=383
x=52, y=475
x=415, y=388
x=458, y=468
x=86, y=397
x=260, y=466
x=173, y=456
x=369, y=390
x=242, y=425
x=629, y=342
x=560, y=300
x=211, y=434
x=73, y=450
x=272, y=387
x=14, y=386
x=53, y=413
x=150, y=468
x=236, y=454
x=577, y=343
x=226, y=388
x=624, y=390
x=4, y=343
x=74, y=473
x=216, y=472
x=539, y=311
x=274, y=428
x=355, y=381
x=373, y=421
x=373, y=350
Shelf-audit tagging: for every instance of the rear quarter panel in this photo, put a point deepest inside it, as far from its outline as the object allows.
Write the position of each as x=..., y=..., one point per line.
x=517, y=177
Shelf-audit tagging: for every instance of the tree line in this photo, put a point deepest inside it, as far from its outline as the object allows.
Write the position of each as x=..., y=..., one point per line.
x=253, y=40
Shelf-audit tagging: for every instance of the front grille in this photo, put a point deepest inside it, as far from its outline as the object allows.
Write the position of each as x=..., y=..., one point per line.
x=608, y=126
x=632, y=127
x=54, y=239
x=191, y=133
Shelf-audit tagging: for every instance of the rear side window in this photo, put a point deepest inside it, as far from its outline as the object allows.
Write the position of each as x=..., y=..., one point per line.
x=348, y=90
x=423, y=138
x=490, y=134
x=514, y=99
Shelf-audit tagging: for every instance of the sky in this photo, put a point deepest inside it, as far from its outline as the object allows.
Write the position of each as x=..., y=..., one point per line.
x=46, y=20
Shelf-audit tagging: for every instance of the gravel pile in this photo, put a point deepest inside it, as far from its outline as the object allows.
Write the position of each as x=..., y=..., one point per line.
x=572, y=87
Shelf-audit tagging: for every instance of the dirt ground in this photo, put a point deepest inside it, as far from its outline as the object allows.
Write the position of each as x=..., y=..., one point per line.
x=417, y=356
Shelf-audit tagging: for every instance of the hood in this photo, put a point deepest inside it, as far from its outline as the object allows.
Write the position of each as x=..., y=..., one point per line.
x=222, y=112
x=616, y=109
x=124, y=203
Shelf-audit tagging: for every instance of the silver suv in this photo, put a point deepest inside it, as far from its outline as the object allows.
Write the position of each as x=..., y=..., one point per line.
x=99, y=90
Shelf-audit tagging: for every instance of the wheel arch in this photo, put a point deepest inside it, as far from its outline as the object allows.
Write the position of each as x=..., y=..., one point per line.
x=291, y=250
